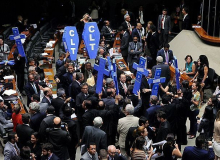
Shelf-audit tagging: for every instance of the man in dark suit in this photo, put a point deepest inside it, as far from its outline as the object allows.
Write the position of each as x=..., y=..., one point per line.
x=60, y=139
x=125, y=12
x=137, y=32
x=11, y=150
x=198, y=153
x=24, y=131
x=47, y=96
x=114, y=154
x=79, y=105
x=145, y=92
x=47, y=122
x=164, y=128
x=31, y=88
x=58, y=102
x=67, y=78
x=95, y=134
x=107, y=31
x=122, y=85
x=68, y=111
x=36, y=116
x=154, y=43
x=186, y=20
x=75, y=87
x=151, y=113
x=167, y=54
x=109, y=100
x=89, y=115
x=60, y=72
x=165, y=70
x=47, y=152
x=22, y=25
x=134, y=51
x=124, y=42
x=164, y=27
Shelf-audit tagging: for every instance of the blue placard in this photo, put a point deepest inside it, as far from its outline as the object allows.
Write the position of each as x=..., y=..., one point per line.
x=91, y=37
x=71, y=40
x=141, y=70
x=155, y=81
x=112, y=67
x=101, y=72
x=17, y=37
x=177, y=73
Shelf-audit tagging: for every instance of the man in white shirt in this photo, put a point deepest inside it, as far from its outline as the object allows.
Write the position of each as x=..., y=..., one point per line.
x=4, y=50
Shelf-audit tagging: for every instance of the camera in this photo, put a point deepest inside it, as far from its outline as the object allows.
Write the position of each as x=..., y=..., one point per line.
x=63, y=125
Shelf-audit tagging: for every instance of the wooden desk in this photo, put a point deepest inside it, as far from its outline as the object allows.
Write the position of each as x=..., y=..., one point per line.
x=48, y=73
x=118, y=61
x=117, y=43
x=204, y=36
x=182, y=76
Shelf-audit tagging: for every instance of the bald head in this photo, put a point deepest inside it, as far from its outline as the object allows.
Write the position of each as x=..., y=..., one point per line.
x=111, y=151
x=139, y=26
x=57, y=122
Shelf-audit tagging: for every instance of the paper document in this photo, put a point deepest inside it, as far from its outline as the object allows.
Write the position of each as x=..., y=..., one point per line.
x=9, y=77
x=9, y=92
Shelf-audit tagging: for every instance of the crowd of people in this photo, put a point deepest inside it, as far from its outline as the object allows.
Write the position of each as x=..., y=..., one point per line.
x=112, y=126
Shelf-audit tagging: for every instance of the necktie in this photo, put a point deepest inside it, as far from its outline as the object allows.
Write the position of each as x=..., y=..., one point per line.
x=34, y=87
x=93, y=157
x=162, y=20
x=17, y=151
x=125, y=88
x=135, y=47
x=167, y=58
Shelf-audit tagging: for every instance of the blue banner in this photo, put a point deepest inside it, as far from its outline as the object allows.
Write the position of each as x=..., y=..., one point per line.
x=71, y=41
x=91, y=37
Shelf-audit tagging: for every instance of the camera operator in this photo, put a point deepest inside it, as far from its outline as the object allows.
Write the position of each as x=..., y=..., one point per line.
x=60, y=139
x=197, y=152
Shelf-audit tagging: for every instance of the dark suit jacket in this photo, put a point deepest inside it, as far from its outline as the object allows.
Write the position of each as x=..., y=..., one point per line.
x=151, y=114
x=105, y=32
x=134, y=99
x=79, y=100
x=162, y=54
x=119, y=157
x=195, y=153
x=24, y=133
x=154, y=43
x=163, y=131
x=145, y=96
x=165, y=72
x=132, y=17
x=124, y=44
x=129, y=140
x=60, y=139
x=30, y=91
x=136, y=33
x=54, y=157
x=45, y=100
x=134, y=54
x=61, y=71
x=75, y=89
x=88, y=117
x=186, y=23
x=96, y=135
x=36, y=120
x=167, y=25
x=57, y=103
x=121, y=89
x=109, y=101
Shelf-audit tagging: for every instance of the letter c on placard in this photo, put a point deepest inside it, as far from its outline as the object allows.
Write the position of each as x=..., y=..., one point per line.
x=91, y=30
x=71, y=33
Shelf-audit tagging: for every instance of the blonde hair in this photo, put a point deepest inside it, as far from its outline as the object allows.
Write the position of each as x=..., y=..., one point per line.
x=149, y=22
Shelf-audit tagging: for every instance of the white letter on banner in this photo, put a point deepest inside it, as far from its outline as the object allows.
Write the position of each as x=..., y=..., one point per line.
x=71, y=33
x=71, y=40
x=90, y=37
x=92, y=45
x=73, y=50
x=90, y=29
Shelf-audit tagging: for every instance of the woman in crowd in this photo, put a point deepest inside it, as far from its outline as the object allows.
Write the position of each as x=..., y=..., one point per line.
x=194, y=109
x=170, y=89
x=147, y=38
x=206, y=124
x=171, y=150
x=190, y=67
x=137, y=151
x=202, y=73
x=16, y=116
x=35, y=145
x=216, y=143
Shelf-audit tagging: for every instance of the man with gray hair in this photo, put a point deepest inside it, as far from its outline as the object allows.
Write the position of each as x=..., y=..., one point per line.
x=165, y=70
x=36, y=116
x=95, y=134
x=124, y=124
x=115, y=154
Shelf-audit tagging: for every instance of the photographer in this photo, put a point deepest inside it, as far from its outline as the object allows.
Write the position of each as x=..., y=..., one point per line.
x=59, y=138
x=197, y=152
